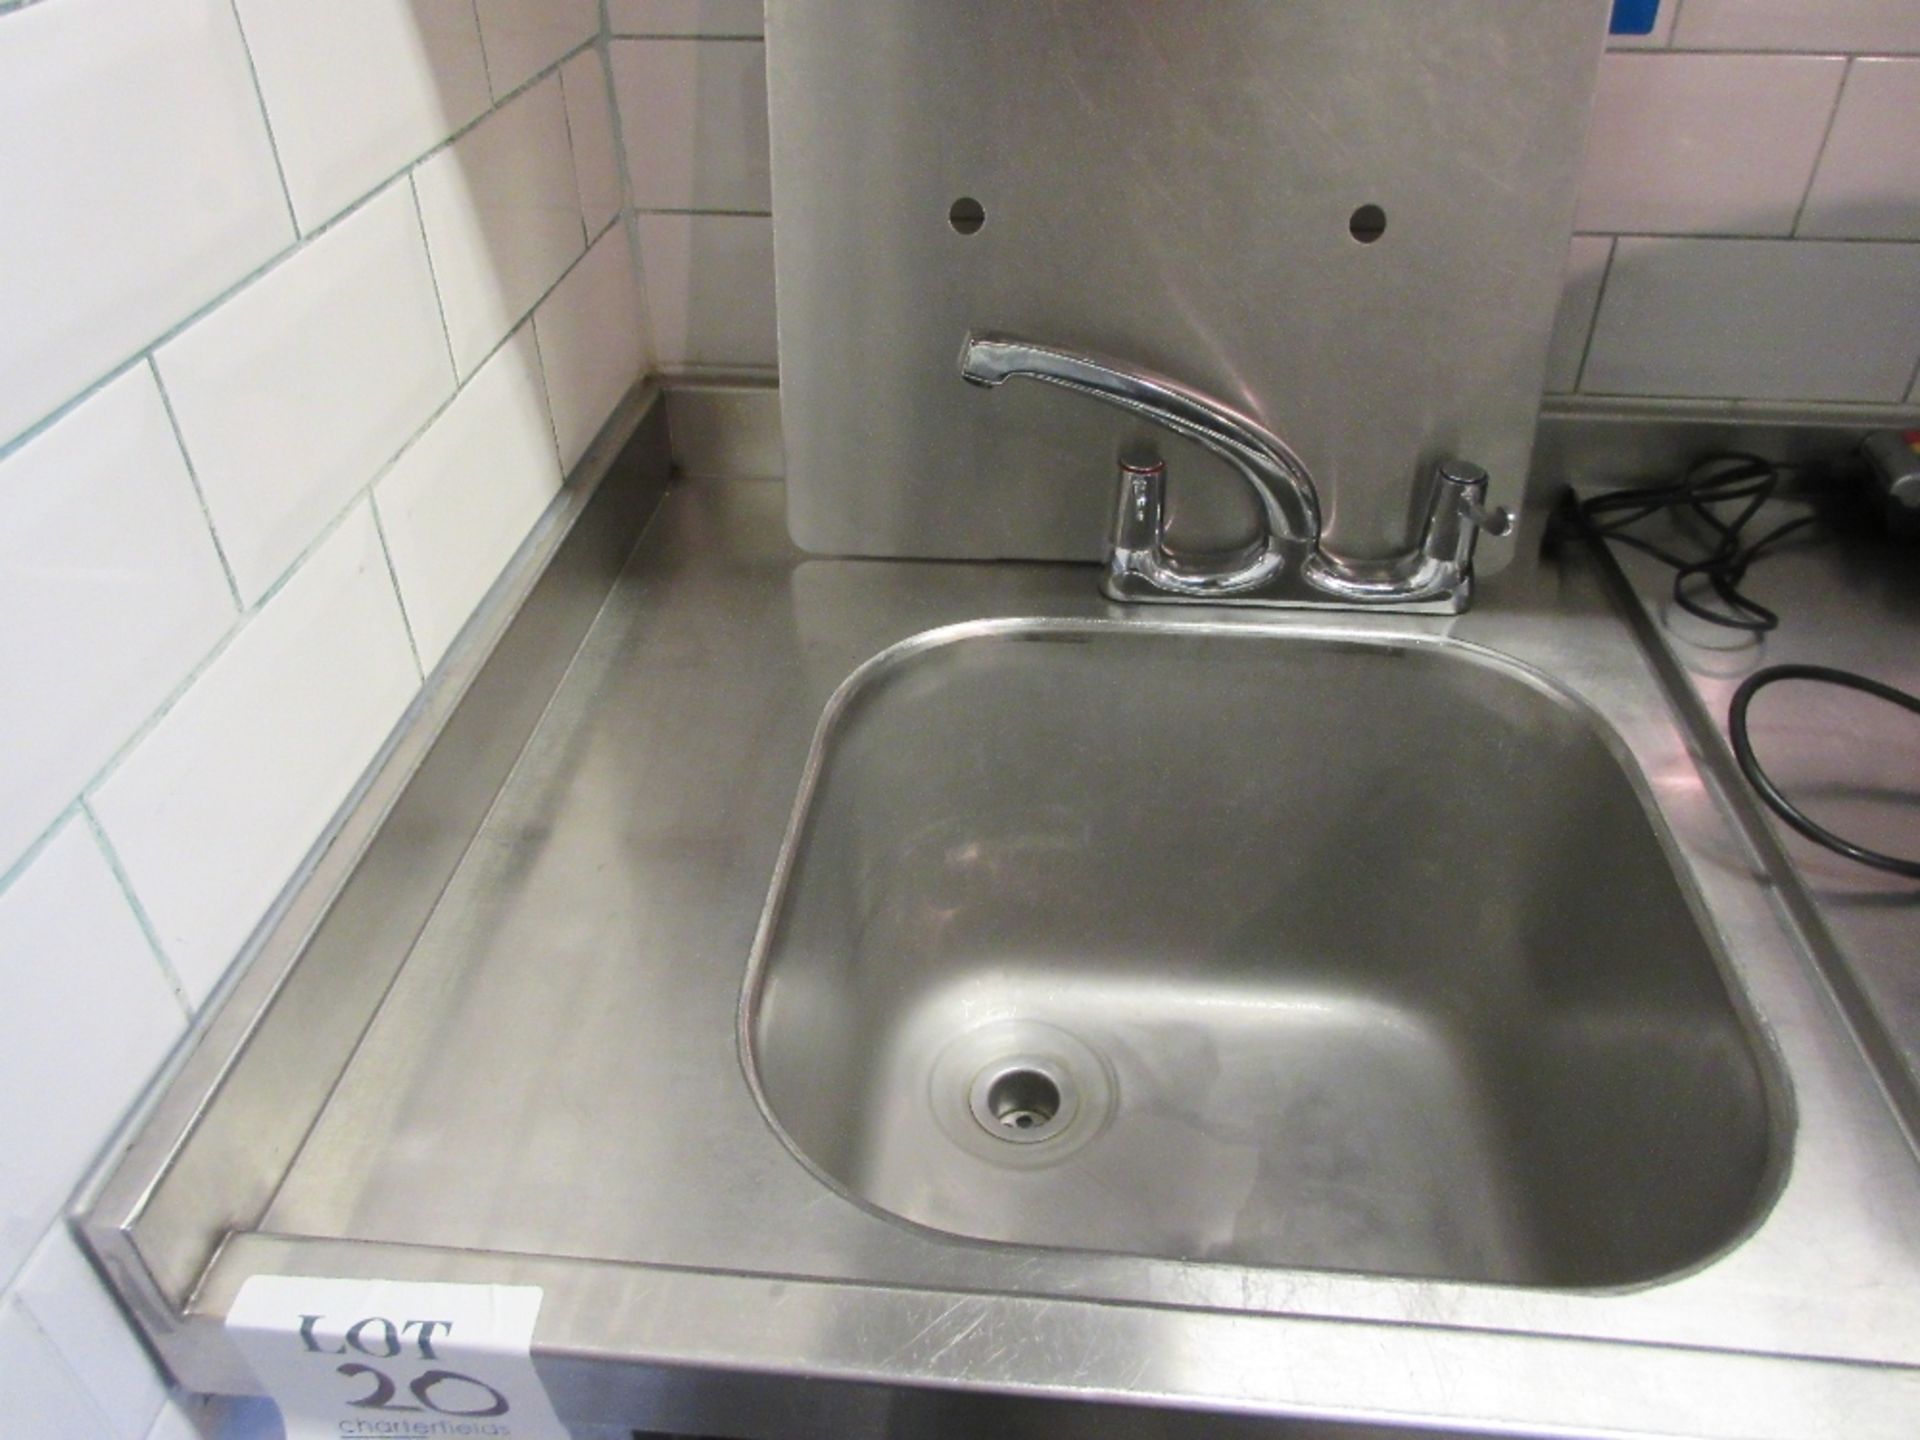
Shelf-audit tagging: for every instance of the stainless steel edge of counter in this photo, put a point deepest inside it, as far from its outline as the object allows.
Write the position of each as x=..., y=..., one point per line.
x=1848, y=597
x=528, y=1072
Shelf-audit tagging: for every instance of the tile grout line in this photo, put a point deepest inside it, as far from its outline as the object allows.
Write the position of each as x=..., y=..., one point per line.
x=293, y=247
x=141, y=732
x=1674, y=28
x=1593, y=320
x=140, y=915
x=266, y=120
x=1820, y=155
x=23, y=862
x=433, y=278
x=199, y=492
x=486, y=60
x=656, y=37
x=1804, y=242
x=321, y=536
x=716, y=214
x=546, y=392
x=629, y=213
x=10, y=1295
x=573, y=154
x=393, y=579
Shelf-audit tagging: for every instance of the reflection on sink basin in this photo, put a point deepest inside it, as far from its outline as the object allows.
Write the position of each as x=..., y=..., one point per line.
x=1277, y=950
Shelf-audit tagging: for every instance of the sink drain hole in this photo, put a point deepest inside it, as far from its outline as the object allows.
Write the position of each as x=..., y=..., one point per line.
x=1023, y=1099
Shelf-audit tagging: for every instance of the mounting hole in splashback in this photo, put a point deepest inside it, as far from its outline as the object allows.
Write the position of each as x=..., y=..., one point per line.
x=1367, y=224
x=967, y=215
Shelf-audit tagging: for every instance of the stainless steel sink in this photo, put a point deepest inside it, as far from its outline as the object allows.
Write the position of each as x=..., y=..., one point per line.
x=1359, y=955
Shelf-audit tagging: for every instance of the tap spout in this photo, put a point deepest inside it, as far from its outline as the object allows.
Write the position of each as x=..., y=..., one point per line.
x=1279, y=479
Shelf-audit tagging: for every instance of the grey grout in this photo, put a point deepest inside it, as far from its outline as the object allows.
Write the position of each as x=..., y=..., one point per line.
x=1593, y=320
x=1805, y=242
x=546, y=392
x=623, y=162
x=266, y=120
x=244, y=612
x=573, y=153
x=393, y=579
x=486, y=60
x=10, y=1295
x=715, y=214
x=140, y=915
x=1820, y=155
x=193, y=478
x=294, y=246
x=433, y=276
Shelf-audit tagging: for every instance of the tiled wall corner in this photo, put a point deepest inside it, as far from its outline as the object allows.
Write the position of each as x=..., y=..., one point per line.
x=690, y=90
x=1755, y=161
x=591, y=335
x=303, y=306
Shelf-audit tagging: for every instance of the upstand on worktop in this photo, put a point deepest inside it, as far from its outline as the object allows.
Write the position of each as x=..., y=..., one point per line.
x=492, y=1038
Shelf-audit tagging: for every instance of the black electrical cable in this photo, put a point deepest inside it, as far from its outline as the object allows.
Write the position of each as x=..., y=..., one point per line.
x=1769, y=792
x=1731, y=478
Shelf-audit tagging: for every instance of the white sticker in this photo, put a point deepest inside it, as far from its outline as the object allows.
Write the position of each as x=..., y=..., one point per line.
x=388, y=1359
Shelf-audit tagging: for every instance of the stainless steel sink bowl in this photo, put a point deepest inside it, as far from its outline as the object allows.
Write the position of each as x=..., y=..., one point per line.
x=1342, y=954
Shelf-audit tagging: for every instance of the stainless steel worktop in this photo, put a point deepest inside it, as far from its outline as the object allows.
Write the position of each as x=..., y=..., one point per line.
x=527, y=1072
x=1848, y=598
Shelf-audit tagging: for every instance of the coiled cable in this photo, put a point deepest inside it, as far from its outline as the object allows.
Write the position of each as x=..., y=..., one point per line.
x=1728, y=478
x=1771, y=794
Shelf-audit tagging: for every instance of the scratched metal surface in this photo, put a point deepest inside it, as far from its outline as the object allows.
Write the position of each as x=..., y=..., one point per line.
x=551, y=1093
x=555, y=1071
x=1848, y=598
x=1170, y=182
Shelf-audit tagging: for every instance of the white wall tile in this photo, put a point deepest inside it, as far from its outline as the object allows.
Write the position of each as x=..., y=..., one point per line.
x=1758, y=319
x=456, y=505
x=1831, y=25
x=593, y=342
x=524, y=37
x=138, y=186
x=213, y=809
x=709, y=282
x=687, y=17
x=503, y=218
x=1705, y=144
x=596, y=162
x=294, y=393
x=1573, y=323
x=88, y=1018
x=110, y=593
x=43, y=1397
x=694, y=117
x=358, y=89
x=1868, y=183
x=64, y=1295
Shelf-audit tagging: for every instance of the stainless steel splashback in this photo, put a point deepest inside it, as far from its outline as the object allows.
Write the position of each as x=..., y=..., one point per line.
x=1184, y=184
